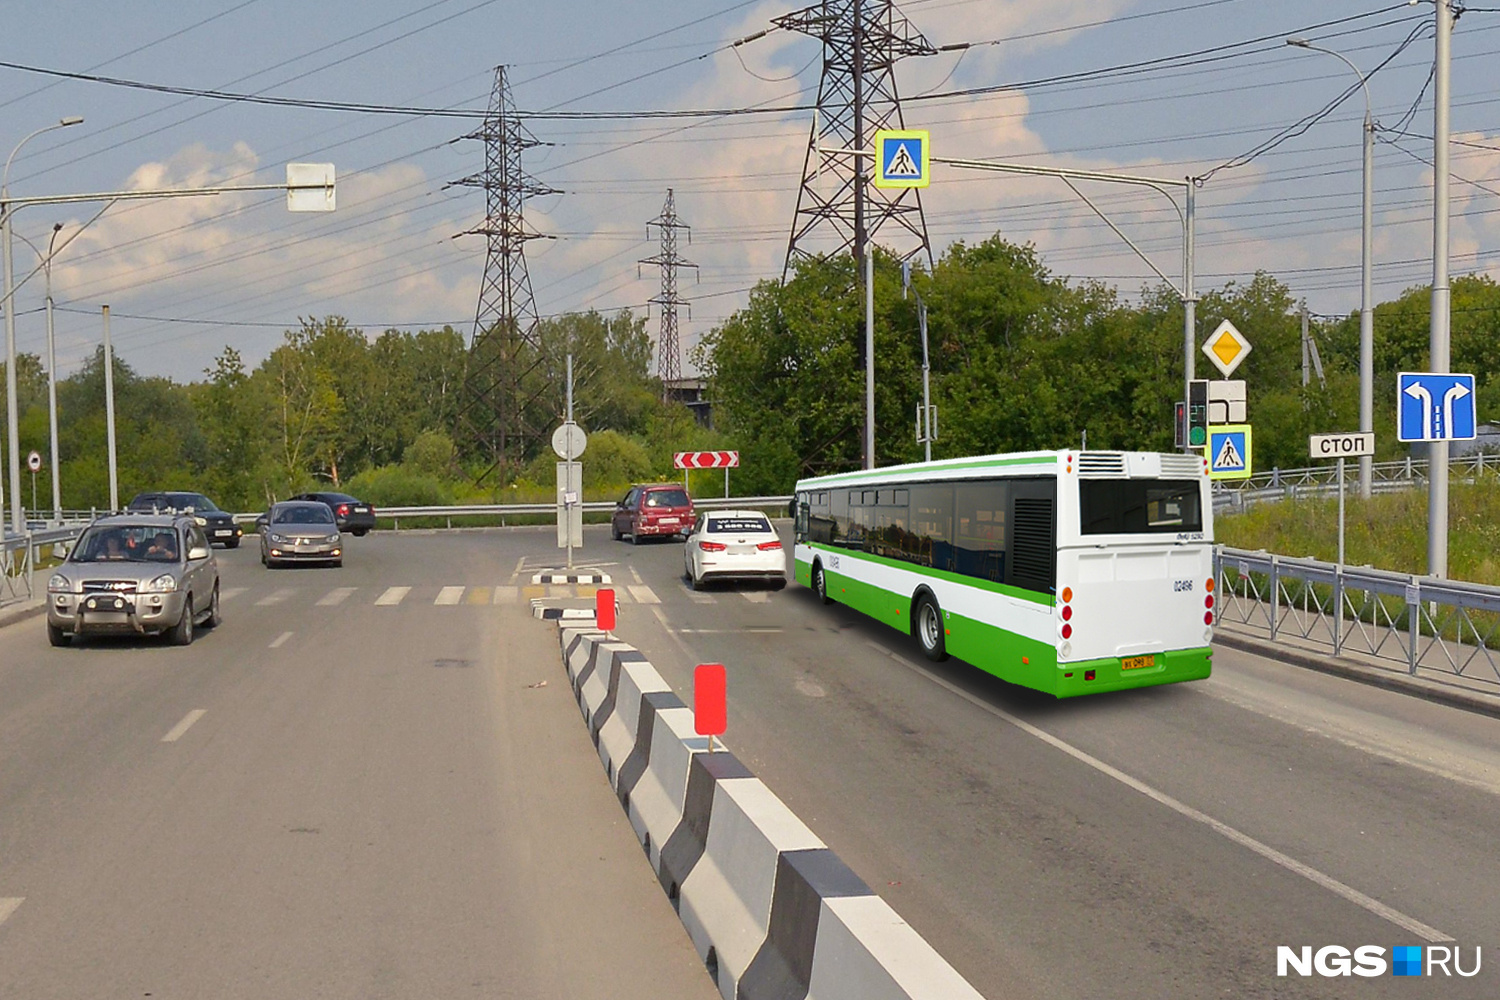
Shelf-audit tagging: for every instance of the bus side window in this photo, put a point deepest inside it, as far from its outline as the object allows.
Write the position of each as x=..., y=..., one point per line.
x=803, y=512
x=980, y=540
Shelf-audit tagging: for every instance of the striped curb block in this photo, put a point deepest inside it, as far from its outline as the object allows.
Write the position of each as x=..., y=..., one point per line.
x=557, y=576
x=578, y=616
x=772, y=912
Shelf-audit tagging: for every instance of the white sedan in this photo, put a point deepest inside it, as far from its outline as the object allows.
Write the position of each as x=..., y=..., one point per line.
x=733, y=545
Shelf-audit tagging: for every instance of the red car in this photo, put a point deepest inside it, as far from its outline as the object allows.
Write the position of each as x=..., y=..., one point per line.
x=658, y=509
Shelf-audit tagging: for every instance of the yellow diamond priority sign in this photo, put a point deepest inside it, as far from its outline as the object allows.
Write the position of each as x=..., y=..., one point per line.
x=1226, y=347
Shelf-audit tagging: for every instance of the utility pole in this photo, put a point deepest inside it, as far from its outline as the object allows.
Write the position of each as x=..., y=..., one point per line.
x=668, y=348
x=1438, y=345
x=109, y=417
x=498, y=415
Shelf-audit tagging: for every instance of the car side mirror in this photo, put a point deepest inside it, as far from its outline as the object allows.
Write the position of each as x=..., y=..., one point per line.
x=198, y=552
x=791, y=508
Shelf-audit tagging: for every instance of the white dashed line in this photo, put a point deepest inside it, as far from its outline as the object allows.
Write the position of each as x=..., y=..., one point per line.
x=449, y=595
x=283, y=637
x=9, y=905
x=636, y=573
x=229, y=592
x=756, y=596
x=392, y=597
x=275, y=597
x=187, y=721
x=506, y=595
x=520, y=565
x=338, y=595
x=698, y=597
x=1291, y=864
x=643, y=594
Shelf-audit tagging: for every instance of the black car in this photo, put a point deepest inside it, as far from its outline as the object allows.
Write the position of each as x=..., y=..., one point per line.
x=352, y=514
x=217, y=525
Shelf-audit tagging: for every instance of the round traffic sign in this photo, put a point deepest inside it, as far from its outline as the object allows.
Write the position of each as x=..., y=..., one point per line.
x=568, y=441
x=34, y=462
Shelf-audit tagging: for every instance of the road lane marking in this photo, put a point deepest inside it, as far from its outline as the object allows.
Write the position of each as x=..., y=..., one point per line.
x=275, y=597
x=176, y=731
x=392, y=597
x=698, y=597
x=478, y=595
x=533, y=590
x=643, y=594
x=636, y=573
x=520, y=565
x=1266, y=851
x=756, y=596
x=9, y=905
x=505, y=595
x=747, y=630
x=449, y=595
x=337, y=595
x=283, y=637
x=229, y=592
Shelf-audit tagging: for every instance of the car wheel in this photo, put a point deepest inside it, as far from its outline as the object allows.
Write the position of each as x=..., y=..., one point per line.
x=779, y=583
x=820, y=584
x=214, y=618
x=696, y=583
x=361, y=532
x=614, y=531
x=233, y=543
x=930, y=629
x=263, y=560
x=635, y=537
x=182, y=633
x=57, y=635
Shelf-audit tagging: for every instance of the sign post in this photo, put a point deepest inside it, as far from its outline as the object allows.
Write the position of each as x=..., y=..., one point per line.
x=34, y=463
x=687, y=460
x=1343, y=446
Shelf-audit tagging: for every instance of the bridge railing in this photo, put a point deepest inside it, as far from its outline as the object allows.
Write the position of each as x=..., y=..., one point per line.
x=1410, y=622
x=20, y=554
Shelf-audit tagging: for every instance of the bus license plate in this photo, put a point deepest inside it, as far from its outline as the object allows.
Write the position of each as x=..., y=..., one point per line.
x=1137, y=662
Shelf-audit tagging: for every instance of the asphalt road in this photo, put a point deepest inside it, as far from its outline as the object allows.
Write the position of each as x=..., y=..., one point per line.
x=1150, y=844
x=324, y=797
x=375, y=802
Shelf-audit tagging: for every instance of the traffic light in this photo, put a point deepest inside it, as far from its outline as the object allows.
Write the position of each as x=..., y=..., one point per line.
x=1197, y=413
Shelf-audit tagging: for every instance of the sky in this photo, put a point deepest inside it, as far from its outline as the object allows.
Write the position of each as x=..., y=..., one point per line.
x=1208, y=81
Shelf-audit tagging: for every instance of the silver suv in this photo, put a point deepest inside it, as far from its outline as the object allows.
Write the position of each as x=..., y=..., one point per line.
x=135, y=574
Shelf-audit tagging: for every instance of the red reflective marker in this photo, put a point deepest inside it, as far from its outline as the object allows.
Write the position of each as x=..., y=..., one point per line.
x=710, y=700
x=604, y=609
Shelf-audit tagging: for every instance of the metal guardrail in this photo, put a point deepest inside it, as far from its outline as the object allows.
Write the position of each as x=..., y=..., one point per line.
x=1322, y=480
x=1412, y=621
x=504, y=510
x=18, y=558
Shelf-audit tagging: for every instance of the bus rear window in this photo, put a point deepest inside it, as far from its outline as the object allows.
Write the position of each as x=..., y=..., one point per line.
x=1139, y=506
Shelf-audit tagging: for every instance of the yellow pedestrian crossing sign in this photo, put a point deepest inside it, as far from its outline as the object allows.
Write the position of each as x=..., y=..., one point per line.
x=902, y=158
x=1228, y=451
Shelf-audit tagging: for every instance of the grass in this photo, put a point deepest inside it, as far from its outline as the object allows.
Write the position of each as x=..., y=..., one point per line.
x=1387, y=531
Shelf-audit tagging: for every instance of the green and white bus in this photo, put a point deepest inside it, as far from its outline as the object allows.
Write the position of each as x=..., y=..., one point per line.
x=1072, y=572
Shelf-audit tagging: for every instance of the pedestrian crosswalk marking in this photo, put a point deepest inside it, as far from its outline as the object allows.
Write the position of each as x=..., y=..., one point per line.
x=478, y=595
x=505, y=595
x=643, y=594
x=756, y=596
x=275, y=597
x=337, y=595
x=449, y=595
x=392, y=597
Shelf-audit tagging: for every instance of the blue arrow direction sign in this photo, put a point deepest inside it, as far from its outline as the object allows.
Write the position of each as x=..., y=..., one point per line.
x=1433, y=406
x=902, y=158
x=1228, y=451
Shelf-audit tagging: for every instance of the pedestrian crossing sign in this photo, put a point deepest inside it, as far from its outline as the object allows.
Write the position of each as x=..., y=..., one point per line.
x=902, y=158
x=1228, y=451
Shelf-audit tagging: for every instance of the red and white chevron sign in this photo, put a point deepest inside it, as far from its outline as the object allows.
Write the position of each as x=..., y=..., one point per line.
x=706, y=460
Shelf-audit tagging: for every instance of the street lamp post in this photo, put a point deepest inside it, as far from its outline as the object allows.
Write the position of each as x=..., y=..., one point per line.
x=1366, y=256
x=309, y=187
x=12, y=412
x=46, y=262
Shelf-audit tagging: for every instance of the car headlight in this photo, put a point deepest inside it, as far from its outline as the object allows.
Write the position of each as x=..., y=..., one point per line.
x=335, y=538
x=164, y=584
x=277, y=538
x=202, y=521
x=59, y=584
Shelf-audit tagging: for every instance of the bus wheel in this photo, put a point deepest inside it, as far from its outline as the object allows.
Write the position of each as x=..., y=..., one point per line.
x=820, y=584
x=930, y=629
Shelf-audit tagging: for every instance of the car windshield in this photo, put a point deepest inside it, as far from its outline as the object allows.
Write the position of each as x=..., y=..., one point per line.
x=667, y=498
x=738, y=525
x=197, y=501
x=126, y=543
x=302, y=515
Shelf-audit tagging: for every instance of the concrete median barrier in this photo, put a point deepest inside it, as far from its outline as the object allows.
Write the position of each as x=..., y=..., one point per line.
x=771, y=910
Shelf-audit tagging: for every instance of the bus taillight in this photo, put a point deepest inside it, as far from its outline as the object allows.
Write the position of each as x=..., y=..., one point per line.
x=1067, y=630
x=1208, y=617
